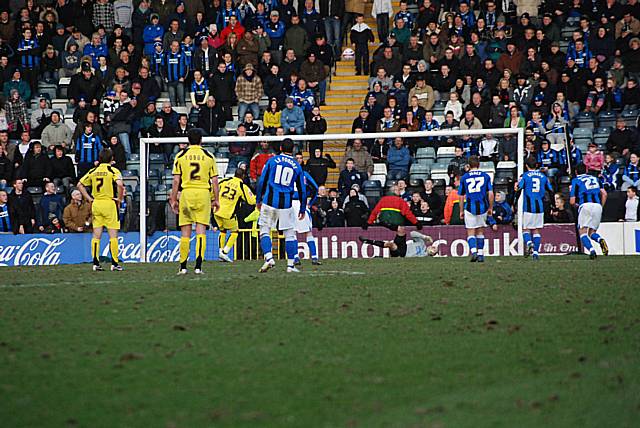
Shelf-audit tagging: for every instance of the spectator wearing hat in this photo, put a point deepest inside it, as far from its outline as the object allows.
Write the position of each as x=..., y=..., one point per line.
x=313, y=71
x=40, y=117
x=70, y=60
x=249, y=90
x=247, y=50
x=204, y=58
x=62, y=170
x=292, y=118
x=511, y=59
x=423, y=92
x=364, y=122
x=152, y=33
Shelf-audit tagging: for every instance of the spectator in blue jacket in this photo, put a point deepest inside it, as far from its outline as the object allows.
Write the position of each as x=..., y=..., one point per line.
x=349, y=176
x=631, y=176
x=398, y=160
x=95, y=49
x=152, y=33
x=292, y=118
x=275, y=29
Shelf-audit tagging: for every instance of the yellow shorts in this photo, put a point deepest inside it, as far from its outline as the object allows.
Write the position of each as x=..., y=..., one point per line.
x=195, y=207
x=230, y=224
x=105, y=214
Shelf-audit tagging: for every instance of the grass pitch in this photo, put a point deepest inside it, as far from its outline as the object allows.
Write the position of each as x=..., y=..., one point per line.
x=367, y=343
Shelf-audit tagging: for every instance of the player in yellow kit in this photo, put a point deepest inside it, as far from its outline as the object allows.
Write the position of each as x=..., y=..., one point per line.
x=196, y=174
x=232, y=191
x=106, y=196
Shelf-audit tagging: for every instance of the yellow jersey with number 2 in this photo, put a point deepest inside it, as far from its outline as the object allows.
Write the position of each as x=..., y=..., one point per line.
x=196, y=167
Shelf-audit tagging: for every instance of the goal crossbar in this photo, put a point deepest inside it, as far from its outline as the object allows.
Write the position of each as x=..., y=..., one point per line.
x=144, y=142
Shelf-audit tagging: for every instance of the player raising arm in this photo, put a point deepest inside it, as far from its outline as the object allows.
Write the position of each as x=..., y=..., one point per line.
x=476, y=198
x=589, y=196
x=232, y=191
x=276, y=187
x=196, y=173
x=533, y=186
x=107, y=192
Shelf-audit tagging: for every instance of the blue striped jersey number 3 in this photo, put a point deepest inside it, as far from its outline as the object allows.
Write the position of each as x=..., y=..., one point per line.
x=283, y=175
x=590, y=182
x=474, y=184
x=535, y=185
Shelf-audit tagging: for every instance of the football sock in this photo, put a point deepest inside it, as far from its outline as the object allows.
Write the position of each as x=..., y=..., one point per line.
x=472, y=244
x=311, y=242
x=374, y=242
x=596, y=237
x=292, y=251
x=233, y=236
x=201, y=247
x=95, y=251
x=586, y=242
x=526, y=237
x=185, y=243
x=222, y=239
x=265, y=244
x=113, y=247
x=480, y=244
x=537, y=240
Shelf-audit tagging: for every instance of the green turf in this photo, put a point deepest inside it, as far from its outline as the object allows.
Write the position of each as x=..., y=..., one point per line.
x=388, y=343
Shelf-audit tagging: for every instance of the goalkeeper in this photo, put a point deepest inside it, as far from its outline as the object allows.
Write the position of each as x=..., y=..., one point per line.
x=393, y=212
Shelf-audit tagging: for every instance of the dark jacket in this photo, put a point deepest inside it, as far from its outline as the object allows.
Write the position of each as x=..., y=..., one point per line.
x=6, y=169
x=347, y=179
x=62, y=167
x=21, y=211
x=36, y=168
x=222, y=87
x=90, y=88
x=318, y=168
x=211, y=119
x=356, y=212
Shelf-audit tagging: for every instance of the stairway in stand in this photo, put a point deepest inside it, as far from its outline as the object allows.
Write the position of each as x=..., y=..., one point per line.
x=345, y=96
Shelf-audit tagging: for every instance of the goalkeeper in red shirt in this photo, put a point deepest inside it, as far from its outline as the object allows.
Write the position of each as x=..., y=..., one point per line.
x=393, y=213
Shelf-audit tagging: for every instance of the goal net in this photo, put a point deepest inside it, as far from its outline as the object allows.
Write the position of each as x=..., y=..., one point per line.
x=424, y=163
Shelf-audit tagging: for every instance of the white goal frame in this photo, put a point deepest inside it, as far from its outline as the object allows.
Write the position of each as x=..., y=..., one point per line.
x=144, y=142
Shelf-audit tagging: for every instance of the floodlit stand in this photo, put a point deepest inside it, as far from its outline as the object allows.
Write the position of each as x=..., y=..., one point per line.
x=321, y=137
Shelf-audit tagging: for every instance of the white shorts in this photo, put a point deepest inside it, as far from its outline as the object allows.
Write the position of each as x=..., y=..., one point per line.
x=532, y=221
x=473, y=221
x=274, y=218
x=304, y=225
x=589, y=215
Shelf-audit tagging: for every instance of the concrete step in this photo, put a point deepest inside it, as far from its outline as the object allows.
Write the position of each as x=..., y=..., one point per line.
x=357, y=93
x=349, y=79
x=341, y=114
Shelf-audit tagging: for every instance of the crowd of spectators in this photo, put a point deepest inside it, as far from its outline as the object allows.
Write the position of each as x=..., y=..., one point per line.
x=262, y=67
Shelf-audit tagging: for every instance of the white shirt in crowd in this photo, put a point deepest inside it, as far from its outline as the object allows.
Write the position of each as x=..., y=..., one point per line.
x=631, y=213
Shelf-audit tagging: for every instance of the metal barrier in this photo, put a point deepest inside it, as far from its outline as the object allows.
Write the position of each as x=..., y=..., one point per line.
x=248, y=245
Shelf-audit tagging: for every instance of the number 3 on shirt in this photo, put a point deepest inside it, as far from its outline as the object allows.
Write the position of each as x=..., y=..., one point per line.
x=474, y=184
x=535, y=182
x=283, y=176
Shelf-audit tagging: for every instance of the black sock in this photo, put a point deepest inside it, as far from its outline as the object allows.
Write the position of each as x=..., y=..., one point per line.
x=183, y=265
x=375, y=243
x=114, y=263
x=96, y=261
x=199, y=263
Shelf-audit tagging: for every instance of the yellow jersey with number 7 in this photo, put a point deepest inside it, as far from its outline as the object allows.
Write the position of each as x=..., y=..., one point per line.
x=102, y=182
x=196, y=167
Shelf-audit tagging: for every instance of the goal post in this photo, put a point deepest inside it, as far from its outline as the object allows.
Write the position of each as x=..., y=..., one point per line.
x=145, y=142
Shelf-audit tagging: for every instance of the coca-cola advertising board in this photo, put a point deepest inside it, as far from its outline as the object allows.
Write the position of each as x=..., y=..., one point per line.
x=337, y=243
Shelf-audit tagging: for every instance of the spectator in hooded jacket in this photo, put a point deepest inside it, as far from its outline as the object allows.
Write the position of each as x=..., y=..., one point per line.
x=62, y=170
x=22, y=211
x=37, y=166
x=318, y=166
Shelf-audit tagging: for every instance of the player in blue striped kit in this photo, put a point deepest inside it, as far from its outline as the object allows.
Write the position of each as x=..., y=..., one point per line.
x=304, y=226
x=175, y=73
x=588, y=194
x=274, y=197
x=533, y=186
x=476, y=196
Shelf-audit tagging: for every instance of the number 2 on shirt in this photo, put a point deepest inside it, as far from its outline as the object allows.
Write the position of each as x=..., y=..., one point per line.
x=474, y=184
x=283, y=176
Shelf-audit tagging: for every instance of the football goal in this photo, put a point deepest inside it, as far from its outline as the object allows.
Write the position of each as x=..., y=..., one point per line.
x=436, y=157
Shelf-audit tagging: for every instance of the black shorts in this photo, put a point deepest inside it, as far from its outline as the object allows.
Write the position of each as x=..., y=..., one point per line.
x=401, y=243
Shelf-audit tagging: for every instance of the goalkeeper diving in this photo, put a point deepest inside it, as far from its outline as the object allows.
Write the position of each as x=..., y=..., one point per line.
x=393, y=213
